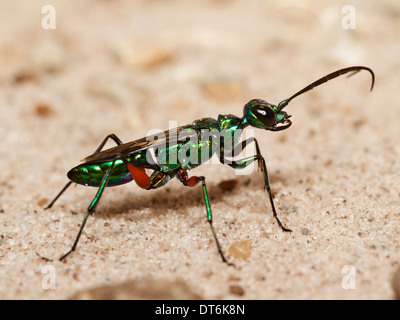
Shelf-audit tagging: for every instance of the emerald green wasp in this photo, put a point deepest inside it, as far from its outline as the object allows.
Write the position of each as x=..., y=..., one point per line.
x=171, y=154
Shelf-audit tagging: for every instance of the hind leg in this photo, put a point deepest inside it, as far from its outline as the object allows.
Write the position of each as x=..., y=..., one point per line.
x=101, y=146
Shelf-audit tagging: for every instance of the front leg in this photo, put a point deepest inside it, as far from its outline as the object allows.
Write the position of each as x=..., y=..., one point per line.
x=240, y=164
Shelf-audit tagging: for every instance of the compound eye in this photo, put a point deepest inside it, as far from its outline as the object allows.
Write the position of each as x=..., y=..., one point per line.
x=265, y=114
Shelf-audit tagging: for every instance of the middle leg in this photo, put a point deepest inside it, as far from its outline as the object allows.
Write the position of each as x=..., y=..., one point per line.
x=191, y=182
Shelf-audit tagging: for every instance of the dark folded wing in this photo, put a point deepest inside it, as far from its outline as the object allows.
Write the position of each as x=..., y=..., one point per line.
x=152, y=141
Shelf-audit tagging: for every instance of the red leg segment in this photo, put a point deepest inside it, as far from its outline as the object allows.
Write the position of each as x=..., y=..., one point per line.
x=139, y=175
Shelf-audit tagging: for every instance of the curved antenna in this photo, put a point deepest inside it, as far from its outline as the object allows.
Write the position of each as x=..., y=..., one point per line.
x=328, y=77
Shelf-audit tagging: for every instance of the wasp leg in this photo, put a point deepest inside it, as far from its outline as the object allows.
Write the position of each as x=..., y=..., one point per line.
x=191, y=182
x=110, y=136
x=240, y=164
x=58, y=195
x=236, y=150
x=92, y=206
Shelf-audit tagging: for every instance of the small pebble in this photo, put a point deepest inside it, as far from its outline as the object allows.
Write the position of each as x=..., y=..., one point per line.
x=305, y=231
x=240, y=249
x=156, y=57
x=146, y=56
x=43, y=110
x=233, y=278
x=24, y=76
x=288, y=207
x=236, y=290
x=42, y=202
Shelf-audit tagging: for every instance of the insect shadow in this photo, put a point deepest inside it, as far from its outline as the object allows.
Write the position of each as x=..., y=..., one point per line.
x=172, y=198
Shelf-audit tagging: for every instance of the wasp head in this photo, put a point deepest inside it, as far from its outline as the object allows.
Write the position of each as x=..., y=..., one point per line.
x=261, y=114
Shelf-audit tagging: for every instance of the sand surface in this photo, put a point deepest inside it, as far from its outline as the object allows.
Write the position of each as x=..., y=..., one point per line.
x=128, y=67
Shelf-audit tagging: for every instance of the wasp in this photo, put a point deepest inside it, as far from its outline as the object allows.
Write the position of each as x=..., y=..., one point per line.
x=176, y=151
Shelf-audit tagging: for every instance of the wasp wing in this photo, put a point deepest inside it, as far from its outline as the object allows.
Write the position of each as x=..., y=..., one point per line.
x=159, y=139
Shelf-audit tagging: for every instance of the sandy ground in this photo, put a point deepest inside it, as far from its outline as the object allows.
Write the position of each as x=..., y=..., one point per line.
x=127, y=67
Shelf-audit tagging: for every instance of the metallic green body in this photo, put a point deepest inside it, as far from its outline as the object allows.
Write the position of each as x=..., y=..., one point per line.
x=190, y=147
